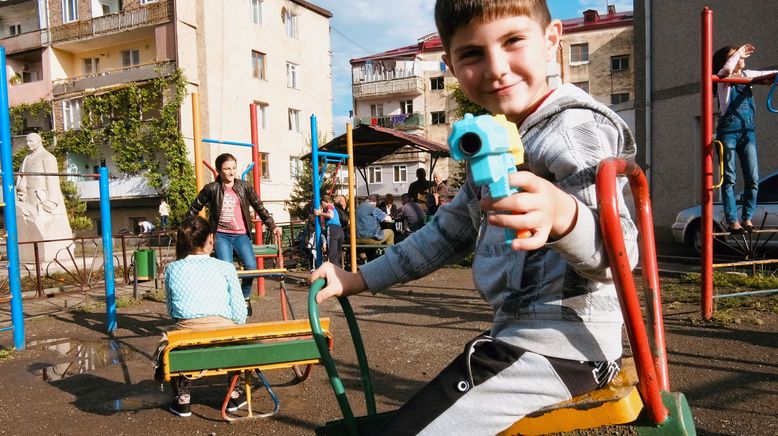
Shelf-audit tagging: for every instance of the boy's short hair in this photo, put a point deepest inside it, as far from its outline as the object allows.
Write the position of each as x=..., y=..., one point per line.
x=452, y=15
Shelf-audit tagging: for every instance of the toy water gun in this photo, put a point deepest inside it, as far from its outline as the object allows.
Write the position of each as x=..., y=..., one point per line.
x=492, y=146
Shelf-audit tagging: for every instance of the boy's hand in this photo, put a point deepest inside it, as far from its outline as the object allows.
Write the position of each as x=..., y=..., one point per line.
x=340, y=283
x=540, y=207
x=746, y=50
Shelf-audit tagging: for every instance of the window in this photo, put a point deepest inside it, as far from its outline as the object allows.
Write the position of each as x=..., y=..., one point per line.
x=130, y=58
x=290, y=23
x=264, y=166
x=436, y=83
x=29, y=76
x=258, y=65
x=438, y=117
x=294, y=120
x=406, y=107
x=71, y=114
x=374, y=174
x=400, y=174
x=69, y=10
x=145, y=2
x=292, y=76
x=579, y=53
x=256, y=11
x=295, y=167
x=377, y=110
x=261, y=115
x=619, y=98
x=619, y=63
x=14, y=29
x=582, y=85
x=91, y=65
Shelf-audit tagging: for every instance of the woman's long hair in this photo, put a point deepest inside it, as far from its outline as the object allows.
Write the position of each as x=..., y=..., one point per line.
x=192, y=234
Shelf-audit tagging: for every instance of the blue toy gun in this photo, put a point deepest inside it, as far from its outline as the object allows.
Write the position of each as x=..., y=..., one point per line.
x=492, y=146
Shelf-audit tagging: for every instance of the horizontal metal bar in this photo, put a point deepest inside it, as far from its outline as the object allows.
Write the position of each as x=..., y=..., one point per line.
x=331, y=154
x=746, y=263
x=747, y=293
x=6, y=328
x=217, y=141
x=26, y=173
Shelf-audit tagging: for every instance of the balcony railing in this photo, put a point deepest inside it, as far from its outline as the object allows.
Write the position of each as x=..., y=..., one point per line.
x=154, y=13
x=409, y=86
x=119, y=187
x=397, y=122
x=25, y=41
x=136, y=73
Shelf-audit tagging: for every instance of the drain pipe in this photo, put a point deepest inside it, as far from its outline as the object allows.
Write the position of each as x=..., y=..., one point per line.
x=649, y=171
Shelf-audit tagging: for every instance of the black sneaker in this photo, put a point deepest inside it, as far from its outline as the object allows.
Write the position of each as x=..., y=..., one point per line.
x=181, y=406
x=249, y=310
x=237, y=400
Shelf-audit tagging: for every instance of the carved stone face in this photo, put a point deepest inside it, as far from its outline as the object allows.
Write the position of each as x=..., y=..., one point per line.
x=34, y=141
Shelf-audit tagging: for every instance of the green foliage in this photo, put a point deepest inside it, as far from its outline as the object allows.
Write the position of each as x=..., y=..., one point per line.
x=139, y=124
x=464, y=105
x=76, y=208
x=6, y=353
x=302, y=193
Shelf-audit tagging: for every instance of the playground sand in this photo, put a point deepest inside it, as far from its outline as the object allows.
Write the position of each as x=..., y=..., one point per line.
x=70, y=381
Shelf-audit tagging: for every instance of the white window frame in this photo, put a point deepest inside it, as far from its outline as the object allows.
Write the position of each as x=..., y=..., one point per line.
x=436, y=114
x=290, y=24
x=255, y=7
x=91, y=65
x=399, y=173
x=620, y=94
x=264, y=166
x=145, y=2
x=258, y=65
x=133, y=55
x=377, y=110
x=437, y=83
x=295, y=167
x=294, y=120
x=292, y=75
x=580, y=61
x=14, y=29
x=621, y=59
x=406, y=107
x=69, y=11
x=71, y=114
x=583, y=85
x=374, y=175
x=262, y=112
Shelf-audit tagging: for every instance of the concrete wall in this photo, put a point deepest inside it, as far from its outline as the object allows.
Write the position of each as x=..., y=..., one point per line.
x=670, y=142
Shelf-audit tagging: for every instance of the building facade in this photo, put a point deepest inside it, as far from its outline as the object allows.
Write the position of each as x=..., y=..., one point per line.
x=233, y=53
x=667, y=51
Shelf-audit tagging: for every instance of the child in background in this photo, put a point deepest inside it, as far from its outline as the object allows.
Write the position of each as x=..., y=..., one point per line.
x=735, y=130
x=557, y=324
x=334, y=231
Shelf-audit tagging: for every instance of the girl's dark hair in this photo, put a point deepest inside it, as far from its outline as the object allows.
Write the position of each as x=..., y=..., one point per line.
x=220, y=159
x=719, y=59
x=452, y=15
x=192, y=234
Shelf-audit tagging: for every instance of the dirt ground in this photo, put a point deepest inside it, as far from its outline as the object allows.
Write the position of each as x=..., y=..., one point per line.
x=72, y=381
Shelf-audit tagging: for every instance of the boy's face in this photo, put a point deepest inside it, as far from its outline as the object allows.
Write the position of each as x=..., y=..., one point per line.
x=501, y=64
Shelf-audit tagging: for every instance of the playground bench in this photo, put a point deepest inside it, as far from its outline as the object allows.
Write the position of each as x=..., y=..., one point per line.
x=196, y=353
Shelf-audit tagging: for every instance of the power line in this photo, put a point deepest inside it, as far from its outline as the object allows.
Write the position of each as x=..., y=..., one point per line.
x=356, y=44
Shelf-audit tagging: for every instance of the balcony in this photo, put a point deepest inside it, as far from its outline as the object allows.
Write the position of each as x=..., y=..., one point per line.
x=136, y=73
x=154, y=13
x=405, y=86
x=398, y=122
x=25, y=41
x=118, y=188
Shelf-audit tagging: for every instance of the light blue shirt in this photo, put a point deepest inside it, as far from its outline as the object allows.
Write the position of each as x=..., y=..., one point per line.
x=200, y=285
x=369, y=220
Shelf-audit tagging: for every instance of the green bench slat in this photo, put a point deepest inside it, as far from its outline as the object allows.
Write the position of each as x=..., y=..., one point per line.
x=265, y=250
x=254, y=354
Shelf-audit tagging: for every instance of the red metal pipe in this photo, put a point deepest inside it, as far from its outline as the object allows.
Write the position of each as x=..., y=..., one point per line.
x=650, y=359
x=256, y=174
x=210, y=167
x=706, y=123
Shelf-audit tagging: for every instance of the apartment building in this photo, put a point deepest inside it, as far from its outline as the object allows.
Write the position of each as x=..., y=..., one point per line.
x=274, y=53
x=408, y=88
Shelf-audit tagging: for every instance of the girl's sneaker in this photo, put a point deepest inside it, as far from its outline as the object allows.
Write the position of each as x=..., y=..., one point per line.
x=181, y=406
x=237, y=400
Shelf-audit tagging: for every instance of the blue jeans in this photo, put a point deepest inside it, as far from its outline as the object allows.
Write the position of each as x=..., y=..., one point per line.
x=740, y=143
x=225, y=244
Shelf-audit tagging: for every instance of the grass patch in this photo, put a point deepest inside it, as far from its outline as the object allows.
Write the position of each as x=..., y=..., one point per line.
x=5, y=353
x=121, y=302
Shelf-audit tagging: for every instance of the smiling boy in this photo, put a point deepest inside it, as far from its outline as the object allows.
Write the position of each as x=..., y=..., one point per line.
x=556, y=331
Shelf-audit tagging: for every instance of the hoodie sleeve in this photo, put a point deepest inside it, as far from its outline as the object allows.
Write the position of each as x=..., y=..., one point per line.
x=447, y=238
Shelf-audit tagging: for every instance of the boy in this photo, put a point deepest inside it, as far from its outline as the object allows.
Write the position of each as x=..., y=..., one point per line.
x=557, y=325
x=334, y=231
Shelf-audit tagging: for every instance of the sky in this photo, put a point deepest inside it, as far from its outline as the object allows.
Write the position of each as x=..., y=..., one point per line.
x=364, y=27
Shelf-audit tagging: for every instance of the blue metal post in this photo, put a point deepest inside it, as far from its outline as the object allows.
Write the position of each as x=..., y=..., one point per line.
x=105, y=221
x=316, y=185
x=9, y=211
x=246, y=171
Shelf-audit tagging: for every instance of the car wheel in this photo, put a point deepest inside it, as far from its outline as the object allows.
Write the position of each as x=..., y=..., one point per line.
x=693, y=239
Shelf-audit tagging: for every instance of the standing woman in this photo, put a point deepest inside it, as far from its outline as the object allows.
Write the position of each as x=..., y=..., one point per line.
x=200, y=292
x=228, y=200
x=735, y=130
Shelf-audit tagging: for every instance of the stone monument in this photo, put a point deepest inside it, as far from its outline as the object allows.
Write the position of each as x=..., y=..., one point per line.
x=40, y=206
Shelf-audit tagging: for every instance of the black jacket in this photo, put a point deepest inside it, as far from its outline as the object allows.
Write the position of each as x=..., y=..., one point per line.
x=212, y=196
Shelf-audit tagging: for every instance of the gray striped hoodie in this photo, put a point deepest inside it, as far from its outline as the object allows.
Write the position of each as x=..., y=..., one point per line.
x=559, y=300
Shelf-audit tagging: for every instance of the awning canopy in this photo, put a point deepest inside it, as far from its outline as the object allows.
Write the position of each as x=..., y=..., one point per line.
x=372, y=143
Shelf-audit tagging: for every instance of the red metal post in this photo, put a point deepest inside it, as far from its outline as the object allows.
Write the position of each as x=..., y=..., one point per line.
x=256, y=174
x=650, y=358
x=706, y=127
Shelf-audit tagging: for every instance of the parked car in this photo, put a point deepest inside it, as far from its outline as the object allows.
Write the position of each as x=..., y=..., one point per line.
x=686, y=228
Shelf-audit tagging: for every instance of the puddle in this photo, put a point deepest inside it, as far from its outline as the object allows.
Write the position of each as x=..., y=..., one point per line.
x=84, y=356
